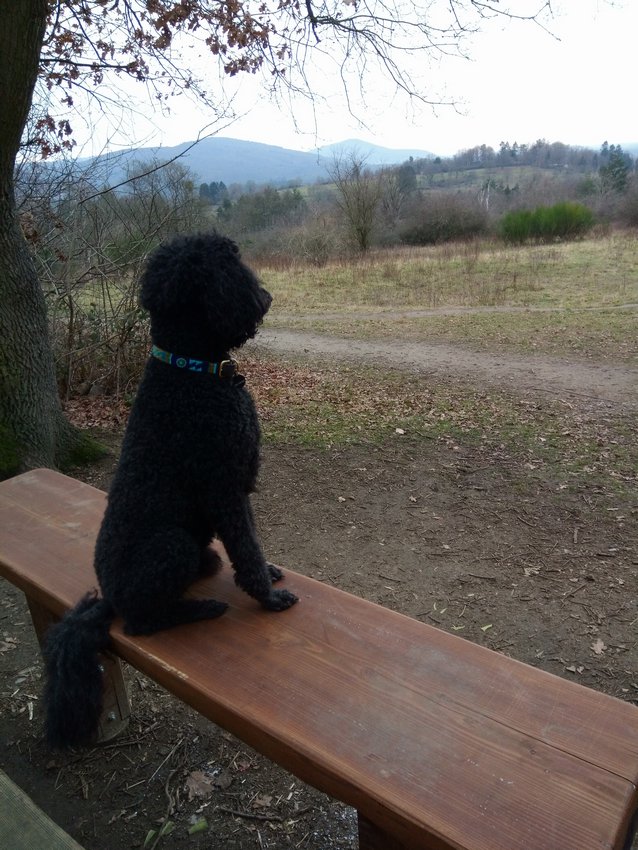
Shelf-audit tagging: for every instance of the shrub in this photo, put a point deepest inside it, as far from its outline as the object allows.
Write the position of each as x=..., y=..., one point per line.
x=442, y=219
x=566, y=220
x=628, y=211
x=516, y=227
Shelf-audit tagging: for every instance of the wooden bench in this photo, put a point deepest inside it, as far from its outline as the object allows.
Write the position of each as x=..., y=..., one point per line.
x=23, y=826
x=438, y=743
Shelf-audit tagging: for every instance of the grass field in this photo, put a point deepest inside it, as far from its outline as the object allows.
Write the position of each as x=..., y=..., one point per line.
x=581, y=287
x=565, y=299
x=511, y=175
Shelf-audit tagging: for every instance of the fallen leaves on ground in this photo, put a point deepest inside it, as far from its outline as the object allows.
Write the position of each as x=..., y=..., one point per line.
x=336, y=403
x=598, y=647
x=103, y=411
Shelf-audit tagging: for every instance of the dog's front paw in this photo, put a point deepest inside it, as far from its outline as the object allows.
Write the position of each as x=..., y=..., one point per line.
x=275, y=573
x=279, y=600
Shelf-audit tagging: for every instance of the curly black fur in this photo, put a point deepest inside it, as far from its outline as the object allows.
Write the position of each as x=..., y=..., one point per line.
x=189, y=461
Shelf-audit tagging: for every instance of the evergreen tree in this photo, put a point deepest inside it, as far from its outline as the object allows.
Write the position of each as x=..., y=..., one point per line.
x=614, y=173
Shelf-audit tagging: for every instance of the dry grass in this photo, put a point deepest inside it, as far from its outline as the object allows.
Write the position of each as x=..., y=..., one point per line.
x=557, y=299
x=592, y=273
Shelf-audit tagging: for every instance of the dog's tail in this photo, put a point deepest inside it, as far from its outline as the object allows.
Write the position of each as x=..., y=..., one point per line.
x=73, y=693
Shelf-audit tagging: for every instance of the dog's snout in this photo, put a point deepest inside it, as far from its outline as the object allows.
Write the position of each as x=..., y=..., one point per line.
x=266, y=299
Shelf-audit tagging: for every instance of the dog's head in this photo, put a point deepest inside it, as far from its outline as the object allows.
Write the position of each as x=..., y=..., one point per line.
x=203, y=300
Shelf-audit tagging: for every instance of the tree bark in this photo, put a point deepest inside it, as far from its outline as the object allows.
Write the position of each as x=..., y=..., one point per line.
x=33, y=429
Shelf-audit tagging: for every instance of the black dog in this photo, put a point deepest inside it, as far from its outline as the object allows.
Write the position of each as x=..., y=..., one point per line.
x=189, y=461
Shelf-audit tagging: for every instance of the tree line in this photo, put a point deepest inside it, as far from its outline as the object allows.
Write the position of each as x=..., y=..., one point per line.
x=215, y=192
x=540, y=154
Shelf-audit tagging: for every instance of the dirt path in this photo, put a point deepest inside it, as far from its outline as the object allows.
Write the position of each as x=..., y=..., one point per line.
x=446, y=311
x=602, y=381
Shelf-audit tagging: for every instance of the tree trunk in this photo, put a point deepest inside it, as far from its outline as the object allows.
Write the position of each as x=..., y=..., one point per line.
x=33, y=429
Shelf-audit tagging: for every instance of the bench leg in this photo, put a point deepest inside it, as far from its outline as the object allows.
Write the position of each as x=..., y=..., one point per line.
x=373, y=838
x=117, y=710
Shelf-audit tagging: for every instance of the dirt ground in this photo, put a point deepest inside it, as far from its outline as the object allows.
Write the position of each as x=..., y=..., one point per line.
x=467, y=537
x=601, y=380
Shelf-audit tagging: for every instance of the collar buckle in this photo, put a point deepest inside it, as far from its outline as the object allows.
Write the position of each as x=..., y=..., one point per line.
x=227, y=368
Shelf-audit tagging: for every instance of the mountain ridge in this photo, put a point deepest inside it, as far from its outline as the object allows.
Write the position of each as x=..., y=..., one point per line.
x=221, y=158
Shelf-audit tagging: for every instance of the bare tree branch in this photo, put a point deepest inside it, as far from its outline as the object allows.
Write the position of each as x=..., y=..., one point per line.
x=91, y=41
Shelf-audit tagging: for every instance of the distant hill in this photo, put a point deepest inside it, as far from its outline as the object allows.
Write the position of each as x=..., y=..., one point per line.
x=236, y=161
x=374, y=155
x=229, y=160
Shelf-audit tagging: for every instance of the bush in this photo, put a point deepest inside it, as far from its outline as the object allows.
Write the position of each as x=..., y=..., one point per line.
x=628, y=210
x=442, y=219
x=566, y=220
x=318, y=242
x=516, y=227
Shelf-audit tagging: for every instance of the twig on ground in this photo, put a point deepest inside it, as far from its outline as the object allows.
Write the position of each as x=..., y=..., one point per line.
x=575, y=590
x=250, y=815
x=169, y=756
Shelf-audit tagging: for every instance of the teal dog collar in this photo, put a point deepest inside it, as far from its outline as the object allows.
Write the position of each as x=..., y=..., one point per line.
x=226, y=369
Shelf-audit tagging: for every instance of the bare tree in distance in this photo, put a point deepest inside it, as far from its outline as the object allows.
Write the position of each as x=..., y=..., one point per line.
x=359, y=192
x=397, y=184
x=74, y=47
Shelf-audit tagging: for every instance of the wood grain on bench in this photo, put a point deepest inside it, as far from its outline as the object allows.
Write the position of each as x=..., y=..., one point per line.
x=437, y=742
x=23, y=826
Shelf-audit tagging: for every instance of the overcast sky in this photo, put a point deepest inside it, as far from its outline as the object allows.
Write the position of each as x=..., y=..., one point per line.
x=576, y=85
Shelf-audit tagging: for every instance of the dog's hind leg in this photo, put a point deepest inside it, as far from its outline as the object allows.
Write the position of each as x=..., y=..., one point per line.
x=179, y=612
x=252, y=572
x=168, y=564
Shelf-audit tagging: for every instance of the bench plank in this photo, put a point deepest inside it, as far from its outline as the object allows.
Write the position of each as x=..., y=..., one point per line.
x=23, y=826
x=436, y=741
